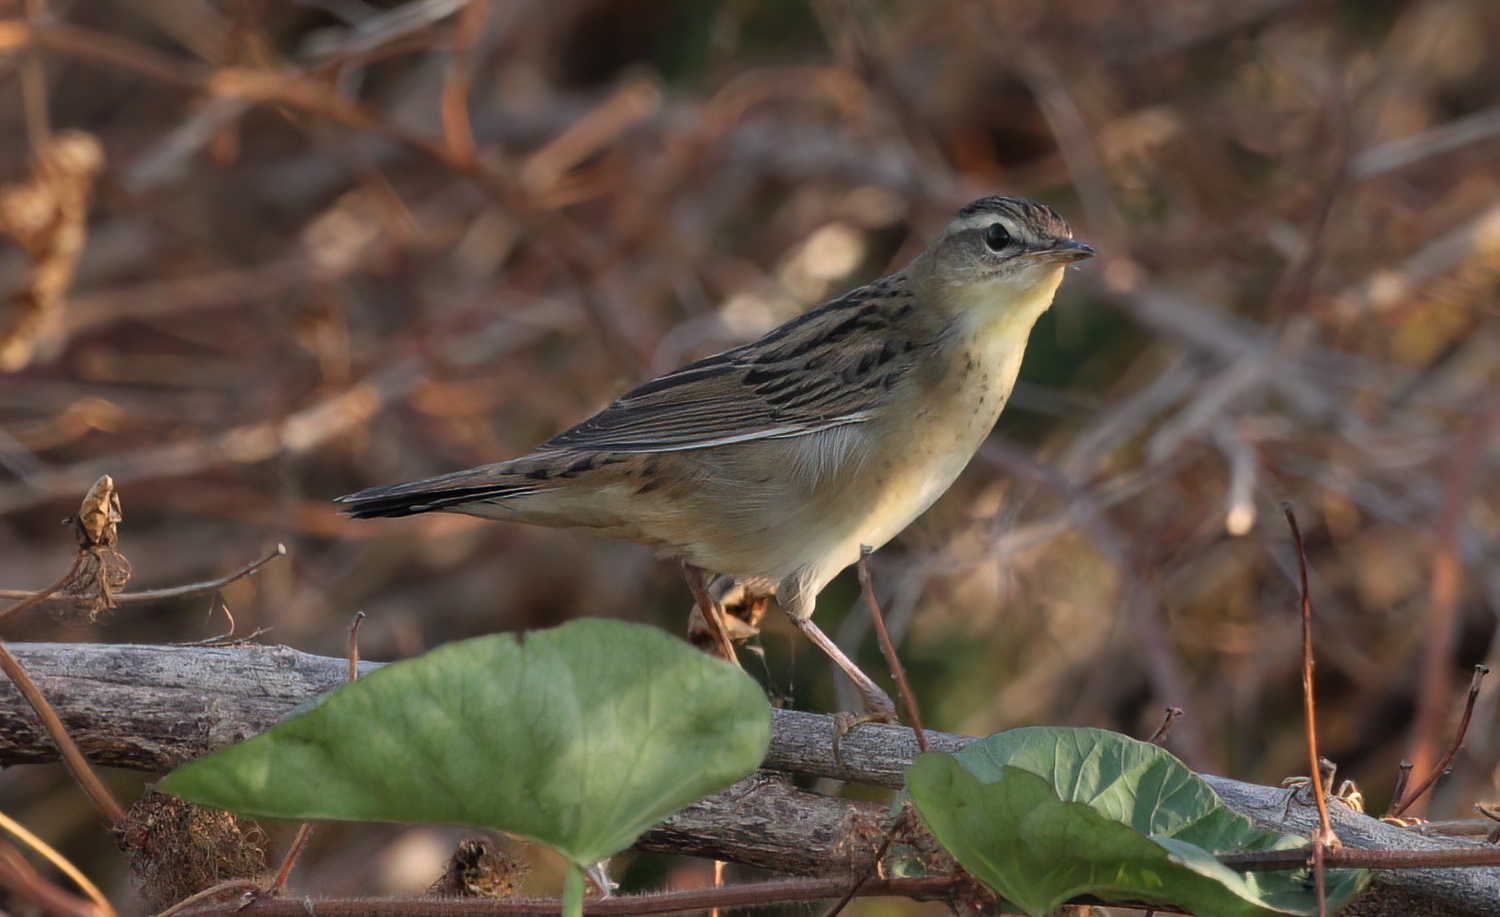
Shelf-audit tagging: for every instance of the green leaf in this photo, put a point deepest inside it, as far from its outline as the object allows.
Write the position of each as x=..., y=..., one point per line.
x=581, y=737
x=1043, y=815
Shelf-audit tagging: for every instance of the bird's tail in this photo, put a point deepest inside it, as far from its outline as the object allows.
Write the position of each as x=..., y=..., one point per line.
x=472, y=491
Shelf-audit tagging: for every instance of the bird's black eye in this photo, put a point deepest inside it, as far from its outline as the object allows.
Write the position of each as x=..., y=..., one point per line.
x=997, y=237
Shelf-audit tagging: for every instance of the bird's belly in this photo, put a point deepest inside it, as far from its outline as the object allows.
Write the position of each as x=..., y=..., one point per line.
x=906, y=492
x=810, y=503
x=901, y=488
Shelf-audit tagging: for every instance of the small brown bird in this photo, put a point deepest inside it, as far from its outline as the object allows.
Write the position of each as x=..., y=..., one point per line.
x=774, y=462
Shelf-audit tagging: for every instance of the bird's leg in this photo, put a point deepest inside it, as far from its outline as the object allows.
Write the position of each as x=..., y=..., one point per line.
x=877, y=703
x=712, y=614
x=797, y=600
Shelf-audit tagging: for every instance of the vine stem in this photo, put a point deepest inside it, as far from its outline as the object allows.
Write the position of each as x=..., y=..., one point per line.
x=572, y=899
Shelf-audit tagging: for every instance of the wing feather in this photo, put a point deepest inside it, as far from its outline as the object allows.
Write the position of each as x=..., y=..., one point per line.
x=826, y=369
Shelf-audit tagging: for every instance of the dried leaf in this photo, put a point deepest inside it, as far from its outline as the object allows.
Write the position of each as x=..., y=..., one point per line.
x=47, y=217
x=98, y=515
x=100, y=571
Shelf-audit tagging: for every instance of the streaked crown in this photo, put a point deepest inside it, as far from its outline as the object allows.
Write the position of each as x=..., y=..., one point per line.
x=997, y=237
x=1038, y=218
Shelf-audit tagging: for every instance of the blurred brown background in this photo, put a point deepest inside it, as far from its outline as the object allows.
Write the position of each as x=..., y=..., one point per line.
x=333, y=244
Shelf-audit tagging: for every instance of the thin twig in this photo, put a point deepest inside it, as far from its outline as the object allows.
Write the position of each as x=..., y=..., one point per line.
x=1357, y=858
x=156, y=595
x=1324, y=837
x=34, y=90
x=299, y=842
x=1404, y=151
x=104, y=48
x=1294, y=287
x=718, y=883
x=32, y=599
x=757, y=894
x=1160, y=735
x=60, y=862
x=148, y=595
x=1403, y=777
x=304, y=830
x=898, y=825
x=1309, y=706
x=1320, y=875
x=359, y=617
x=460, y=72
x=1453, y=747
x=1440, y=625
x=1493, y=836
x=240, y=888
x=898, y=672
x=24, y=885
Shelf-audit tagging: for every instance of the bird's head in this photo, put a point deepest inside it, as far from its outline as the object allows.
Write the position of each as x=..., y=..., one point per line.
x=1000, y=259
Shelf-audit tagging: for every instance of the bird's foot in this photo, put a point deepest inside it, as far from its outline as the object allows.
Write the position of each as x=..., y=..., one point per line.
x=741, y=621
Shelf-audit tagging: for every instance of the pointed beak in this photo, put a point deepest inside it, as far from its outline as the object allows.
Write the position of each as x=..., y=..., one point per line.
x=1068, y=251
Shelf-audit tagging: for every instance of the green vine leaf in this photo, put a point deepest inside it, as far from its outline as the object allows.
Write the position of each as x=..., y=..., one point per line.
x=581, y=737
x=1043, y=815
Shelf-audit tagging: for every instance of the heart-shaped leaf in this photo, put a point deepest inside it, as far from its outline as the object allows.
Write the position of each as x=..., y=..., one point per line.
x=581, y=737
x=1044, y=815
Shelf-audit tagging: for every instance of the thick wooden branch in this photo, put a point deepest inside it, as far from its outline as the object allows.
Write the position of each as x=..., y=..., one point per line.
x=153, y=707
